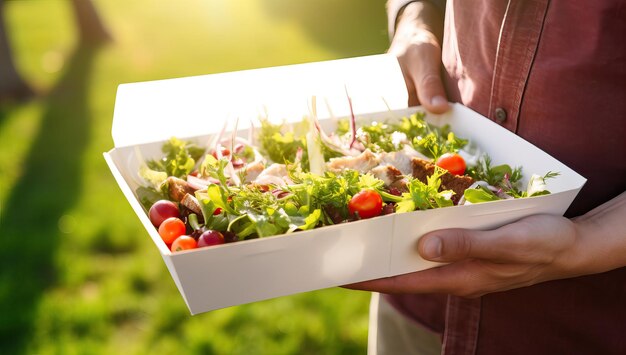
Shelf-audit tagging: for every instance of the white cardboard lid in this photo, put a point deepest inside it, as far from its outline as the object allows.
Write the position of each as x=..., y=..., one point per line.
x=184, y=107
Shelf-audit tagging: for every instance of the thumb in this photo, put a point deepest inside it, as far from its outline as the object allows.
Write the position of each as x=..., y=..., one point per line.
x=419, y=56
x=427, y=80
x=456, y=244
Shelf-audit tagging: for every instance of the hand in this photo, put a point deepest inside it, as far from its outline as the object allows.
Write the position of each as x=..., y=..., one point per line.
x=419, y=54
x=535, y=249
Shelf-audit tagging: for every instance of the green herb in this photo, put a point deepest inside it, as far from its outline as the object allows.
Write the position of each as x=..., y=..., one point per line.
x=413, y=126
x=377, y=137
x=212, y=167
x=330, y=192
x=281, y=146
x=179, y=160
x=423, y=196
x=430, y=140
x=501, y=176
x=250, y=211
x=438, y=141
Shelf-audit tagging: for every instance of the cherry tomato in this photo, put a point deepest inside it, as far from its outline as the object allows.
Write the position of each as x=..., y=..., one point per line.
x=171, y=229
x=217, y=211
x=454, y=163
x=184, y=242
x=367, y=203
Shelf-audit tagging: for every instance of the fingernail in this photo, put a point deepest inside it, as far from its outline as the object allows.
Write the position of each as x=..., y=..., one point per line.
x=439, y=101
x=431, y=248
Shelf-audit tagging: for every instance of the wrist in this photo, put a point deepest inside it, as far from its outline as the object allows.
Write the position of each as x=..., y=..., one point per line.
x=601, y=235
x=416, y=15
x=579, y=259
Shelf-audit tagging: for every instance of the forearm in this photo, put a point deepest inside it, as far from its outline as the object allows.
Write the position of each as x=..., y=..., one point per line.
x=419, y=14
x=602, y=236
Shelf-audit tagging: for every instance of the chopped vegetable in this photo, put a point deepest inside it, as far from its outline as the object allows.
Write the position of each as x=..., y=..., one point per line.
x=171, y=229
x=366, y=203
x=452, y=162
x=184, y=242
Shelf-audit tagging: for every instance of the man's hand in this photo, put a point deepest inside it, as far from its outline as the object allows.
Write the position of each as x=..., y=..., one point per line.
x=418, y=50
x=535, y=249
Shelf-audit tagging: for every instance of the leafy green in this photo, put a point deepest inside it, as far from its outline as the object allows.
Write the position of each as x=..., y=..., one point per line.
x=430, y=140
x=147, y=196
x=480, y=194
x=250, y=211
x=377, y=137
x=501, y=176
x=507, y=180
x=212, y=167
x=179, y=160
x=310, y=221
x=438, y=141
x=153, y=177
x=422, y=196
x=281, y=146
x=330, y=192
x=413, y=126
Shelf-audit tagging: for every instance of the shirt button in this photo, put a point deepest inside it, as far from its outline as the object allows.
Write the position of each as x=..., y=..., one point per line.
x=500, y=115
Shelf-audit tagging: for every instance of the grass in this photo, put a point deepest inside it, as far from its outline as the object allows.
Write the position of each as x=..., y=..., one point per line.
x=78, y=273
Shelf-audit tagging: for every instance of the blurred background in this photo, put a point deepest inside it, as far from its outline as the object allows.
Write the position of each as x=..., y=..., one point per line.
x=78, y=272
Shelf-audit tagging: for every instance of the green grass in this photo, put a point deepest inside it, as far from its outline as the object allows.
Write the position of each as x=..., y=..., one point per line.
x=78, y=273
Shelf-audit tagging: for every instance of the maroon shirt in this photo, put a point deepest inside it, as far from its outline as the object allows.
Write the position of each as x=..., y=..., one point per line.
x=554, y=72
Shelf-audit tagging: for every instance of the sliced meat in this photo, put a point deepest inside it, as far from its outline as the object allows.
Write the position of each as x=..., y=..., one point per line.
x=402, y=160
x=399, y=185
x=278, y=170
x=387, y=173
x=422, y=169
x=253, y=170
x=192, y=204
x=457, y=183
x=275, y=174
x=178, y=188
x=362, y=163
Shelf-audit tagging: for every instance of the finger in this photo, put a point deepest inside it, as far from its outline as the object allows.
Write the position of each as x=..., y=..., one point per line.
x=505, y=244
x=459, y=278
x=426, y=76
x=410, y=87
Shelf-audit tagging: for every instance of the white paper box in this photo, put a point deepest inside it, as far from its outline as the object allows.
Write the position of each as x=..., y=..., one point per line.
x=146, y=114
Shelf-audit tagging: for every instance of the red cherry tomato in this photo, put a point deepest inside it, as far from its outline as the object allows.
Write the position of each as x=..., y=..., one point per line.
x=367, y=203
x=171, y=229
x=184, y=242
x=454, y=163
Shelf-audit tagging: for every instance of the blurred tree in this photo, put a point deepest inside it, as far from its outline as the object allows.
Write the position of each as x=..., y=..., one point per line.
x=90, y=27
x=318, y=18
x=91, y=30
x=12, y=86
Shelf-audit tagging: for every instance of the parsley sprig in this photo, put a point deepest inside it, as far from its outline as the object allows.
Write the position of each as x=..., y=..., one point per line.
x=423, y=196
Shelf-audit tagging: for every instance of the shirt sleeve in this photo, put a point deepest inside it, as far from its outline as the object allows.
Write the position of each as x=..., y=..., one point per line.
x=394, y=7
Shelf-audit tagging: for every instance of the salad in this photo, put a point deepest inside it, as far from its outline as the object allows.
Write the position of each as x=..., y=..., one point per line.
x=286, y=179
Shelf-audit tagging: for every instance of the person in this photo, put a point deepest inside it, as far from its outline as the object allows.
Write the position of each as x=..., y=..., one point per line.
x=553, y=72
